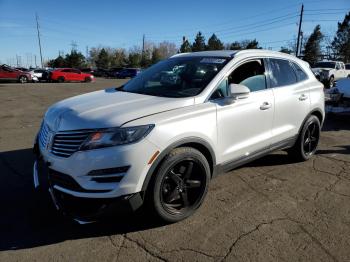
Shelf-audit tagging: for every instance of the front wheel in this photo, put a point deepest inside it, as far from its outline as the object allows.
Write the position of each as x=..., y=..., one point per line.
x=331, y=82
x=23, y=79
x=180, y=185
x=308, y=139
x=87, y=79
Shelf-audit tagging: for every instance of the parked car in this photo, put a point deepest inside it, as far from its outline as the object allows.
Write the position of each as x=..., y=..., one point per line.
x=339, y=94
x=128, y=73
x=37, y=74
x=347, y=70
x=100, y=72
x=113, y=72
x=70, y=74
x=328, y=72
x=23, y=69
x=8, y=73
x=160, y=144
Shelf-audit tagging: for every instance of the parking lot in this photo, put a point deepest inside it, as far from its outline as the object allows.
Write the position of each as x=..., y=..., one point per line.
x=269, y=210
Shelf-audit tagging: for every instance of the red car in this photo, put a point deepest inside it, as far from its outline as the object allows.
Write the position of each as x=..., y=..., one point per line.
x=11, y=74
x=70, y=74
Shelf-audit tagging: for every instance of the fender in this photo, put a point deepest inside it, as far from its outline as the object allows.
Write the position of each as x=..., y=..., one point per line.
x=315, y=110
x=176, y=144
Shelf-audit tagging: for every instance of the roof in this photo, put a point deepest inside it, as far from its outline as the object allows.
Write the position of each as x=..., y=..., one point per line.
x=216, y=53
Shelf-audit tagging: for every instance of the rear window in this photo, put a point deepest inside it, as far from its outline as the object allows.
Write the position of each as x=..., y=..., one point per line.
x=300, y=72
x=282, y=73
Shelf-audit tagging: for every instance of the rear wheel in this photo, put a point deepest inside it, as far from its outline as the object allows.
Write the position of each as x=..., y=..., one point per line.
x=23, y=79
x=331, y=82
x=307, y=142
x=87, y=79
x=180, y=185
x=60, y=79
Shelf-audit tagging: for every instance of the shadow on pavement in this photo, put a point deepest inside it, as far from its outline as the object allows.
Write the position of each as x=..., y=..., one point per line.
x=27, y=221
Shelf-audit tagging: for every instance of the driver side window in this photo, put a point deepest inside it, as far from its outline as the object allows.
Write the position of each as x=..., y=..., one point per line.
x=251, y=74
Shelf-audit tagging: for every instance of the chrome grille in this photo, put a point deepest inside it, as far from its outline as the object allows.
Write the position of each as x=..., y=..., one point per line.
x=44, y=134
x=68, y=142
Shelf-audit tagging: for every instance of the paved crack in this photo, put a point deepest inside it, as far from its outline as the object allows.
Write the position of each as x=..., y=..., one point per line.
x=256, y=228
x=317, y=242
x=144, y=248
x=192, y=250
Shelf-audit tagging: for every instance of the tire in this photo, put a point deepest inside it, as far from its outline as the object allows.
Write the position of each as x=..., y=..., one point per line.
x=331, y=82
x=23, y=79
x=60, y=79
x=87, y=79
x=179, y=186
x=306, y=144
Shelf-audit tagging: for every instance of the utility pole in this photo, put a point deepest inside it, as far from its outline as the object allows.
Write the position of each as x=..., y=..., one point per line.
x=301, y=42
x=37, y=28
x=143, y=44
x=299, y=30
x=17, y=60
x=35, y=61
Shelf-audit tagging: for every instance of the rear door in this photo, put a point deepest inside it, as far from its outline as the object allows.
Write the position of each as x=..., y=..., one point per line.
x=8, y=73
x=76, y=75
x=292, y=99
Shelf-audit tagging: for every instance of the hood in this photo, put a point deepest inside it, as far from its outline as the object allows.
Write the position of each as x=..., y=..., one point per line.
x=107, y=108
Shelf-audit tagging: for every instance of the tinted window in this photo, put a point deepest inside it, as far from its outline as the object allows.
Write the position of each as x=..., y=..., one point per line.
x=300, y=72
x=325, y=65
x=75, y=71
x=250, y=74
x=347, y=66
x=282, y=74
x=66, y=70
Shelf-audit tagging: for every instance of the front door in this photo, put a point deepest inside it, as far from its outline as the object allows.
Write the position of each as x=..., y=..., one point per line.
x=244, y=127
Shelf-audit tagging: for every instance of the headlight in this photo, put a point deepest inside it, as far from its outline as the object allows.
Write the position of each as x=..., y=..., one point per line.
x=116, y=136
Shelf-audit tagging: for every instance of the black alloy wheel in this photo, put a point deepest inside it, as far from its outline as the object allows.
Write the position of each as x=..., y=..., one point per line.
x=180, y=185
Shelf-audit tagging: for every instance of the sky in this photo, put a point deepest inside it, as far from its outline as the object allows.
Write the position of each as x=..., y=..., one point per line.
x=121, y=24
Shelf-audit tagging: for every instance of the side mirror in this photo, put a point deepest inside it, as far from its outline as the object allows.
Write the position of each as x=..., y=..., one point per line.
x=239, y=91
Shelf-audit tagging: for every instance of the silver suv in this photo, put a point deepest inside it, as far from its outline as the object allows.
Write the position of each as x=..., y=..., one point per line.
x=162, y=136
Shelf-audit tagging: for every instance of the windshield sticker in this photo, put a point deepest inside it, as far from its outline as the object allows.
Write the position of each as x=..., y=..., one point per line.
x=213, y=60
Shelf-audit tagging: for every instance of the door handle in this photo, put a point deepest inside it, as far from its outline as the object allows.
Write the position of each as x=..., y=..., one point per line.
x=265, y=105
x=302, y=97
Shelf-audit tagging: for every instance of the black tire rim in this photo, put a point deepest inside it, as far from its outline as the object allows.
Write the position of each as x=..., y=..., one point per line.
x=23, y=79
x=331, y=83
x=311, y=137
x=183, y=187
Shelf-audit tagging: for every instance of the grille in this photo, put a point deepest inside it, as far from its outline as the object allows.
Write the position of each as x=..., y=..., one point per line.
x=43, y=134
x=66, y=143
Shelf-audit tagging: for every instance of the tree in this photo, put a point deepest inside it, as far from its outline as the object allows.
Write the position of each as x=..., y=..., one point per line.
x=312, y=50
x=199, y=43
x=185, y=47
x=251, y=44
x=166, y=49
x=57, y=63
x=235, y=46
x=214, y=43
x=119, y=58
x=286, y=50
x=341, y=42
x=75, y=59
x=102, y=59
x=156, y=55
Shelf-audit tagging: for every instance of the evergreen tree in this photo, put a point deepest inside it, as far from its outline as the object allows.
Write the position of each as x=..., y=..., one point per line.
x=156, y=55
x=214, y=43
x=341, y=42
x=102, y=59
x=312, y=50
x=185, y=47
x=252, y=44
x=135, y=59
x=286, y=50
x=236, y=46
x=75, y=59
x=199, y=43
x=57, y=63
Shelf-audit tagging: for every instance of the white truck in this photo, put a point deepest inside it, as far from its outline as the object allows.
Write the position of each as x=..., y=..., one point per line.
x=328, y=72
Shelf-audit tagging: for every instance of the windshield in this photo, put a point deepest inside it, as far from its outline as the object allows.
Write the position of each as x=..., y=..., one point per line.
x=325, y=65
x=176, y=77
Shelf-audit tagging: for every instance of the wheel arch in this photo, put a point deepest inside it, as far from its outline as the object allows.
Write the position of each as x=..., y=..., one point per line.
x=315, y=112
x=195, y=142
